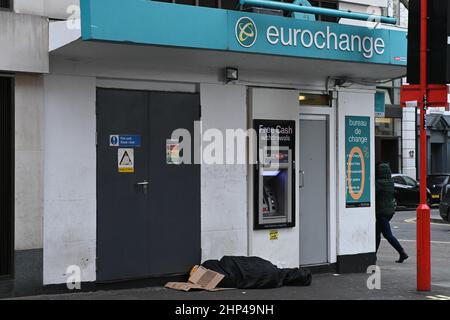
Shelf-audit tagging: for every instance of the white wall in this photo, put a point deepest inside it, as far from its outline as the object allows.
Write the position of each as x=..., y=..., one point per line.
x=409, y=141
x=70, y=177
x=284, y=252
x=29, y=110
x=55, y=9
x=23, y=43
x=29, y=7
x=223, y=187
x=356, y=226
x=227, y=222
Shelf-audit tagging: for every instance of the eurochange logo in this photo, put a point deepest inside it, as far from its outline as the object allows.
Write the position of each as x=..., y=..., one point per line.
x=246, y=34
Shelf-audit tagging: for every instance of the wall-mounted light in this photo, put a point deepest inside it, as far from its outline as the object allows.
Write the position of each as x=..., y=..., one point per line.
x=231, y=74
x=411, y=154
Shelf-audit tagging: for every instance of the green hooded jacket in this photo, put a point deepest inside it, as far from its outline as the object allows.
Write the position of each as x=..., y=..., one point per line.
x=384, y=186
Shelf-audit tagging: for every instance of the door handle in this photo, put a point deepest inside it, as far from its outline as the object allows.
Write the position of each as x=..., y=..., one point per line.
x=144, y=184
x=302, y=177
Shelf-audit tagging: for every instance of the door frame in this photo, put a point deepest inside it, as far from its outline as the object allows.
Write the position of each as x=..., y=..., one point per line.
x=311, y=113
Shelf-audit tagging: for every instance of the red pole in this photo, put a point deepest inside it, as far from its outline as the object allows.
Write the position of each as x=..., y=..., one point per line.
x=423, y=211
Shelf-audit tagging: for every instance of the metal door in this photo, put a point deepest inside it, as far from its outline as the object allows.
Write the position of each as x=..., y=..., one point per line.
x=174, y=190
x=122, y=205
x=313, y=206
x=149, y=217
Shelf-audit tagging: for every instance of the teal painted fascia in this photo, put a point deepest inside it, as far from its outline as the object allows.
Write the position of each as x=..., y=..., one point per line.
x=86, y=19
x=148, y=22
x=166, y=24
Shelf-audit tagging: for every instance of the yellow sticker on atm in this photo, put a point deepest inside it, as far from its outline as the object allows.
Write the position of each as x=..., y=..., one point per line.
x=125, y=160
x=273, y=235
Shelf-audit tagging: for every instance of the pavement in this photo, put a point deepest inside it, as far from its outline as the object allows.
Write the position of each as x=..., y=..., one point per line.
x=398, y=281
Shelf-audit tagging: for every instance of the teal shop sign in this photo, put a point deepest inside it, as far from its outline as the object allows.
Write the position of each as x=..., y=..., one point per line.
x=357, y=164
x=313, y=39
x=167, y=24
x=380, y=104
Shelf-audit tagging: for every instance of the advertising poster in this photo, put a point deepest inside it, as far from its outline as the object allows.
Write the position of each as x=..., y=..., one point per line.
x=357, y=164
x=173, y=152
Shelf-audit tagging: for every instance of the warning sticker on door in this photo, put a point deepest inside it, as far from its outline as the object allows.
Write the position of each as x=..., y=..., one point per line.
x=173, y=152
x=126, y=160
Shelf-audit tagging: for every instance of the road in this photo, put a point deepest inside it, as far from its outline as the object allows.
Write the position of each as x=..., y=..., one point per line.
x=404, y=228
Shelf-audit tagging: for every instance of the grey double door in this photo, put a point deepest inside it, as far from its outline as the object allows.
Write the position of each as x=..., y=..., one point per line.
x=148, y=215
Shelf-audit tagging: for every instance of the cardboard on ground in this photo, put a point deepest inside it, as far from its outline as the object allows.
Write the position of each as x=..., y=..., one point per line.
x=200, y=279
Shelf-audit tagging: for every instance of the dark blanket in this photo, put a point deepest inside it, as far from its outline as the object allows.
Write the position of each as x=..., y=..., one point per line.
x=256, y=273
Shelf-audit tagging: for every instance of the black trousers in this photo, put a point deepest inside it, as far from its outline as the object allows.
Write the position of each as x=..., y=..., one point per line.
x=383, y=227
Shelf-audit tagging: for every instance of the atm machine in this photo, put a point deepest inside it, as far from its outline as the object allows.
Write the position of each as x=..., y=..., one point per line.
x=274, y=190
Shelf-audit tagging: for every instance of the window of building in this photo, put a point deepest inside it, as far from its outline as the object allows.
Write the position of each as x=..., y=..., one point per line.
x=234, y=5
x=328, y=4
x=316, y=100
x=391, y=127
x=388, y=142
x=222, y=4
x=5, y=4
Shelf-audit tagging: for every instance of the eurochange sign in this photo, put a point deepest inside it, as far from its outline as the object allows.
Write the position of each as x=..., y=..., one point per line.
x=314, y=39
x=167, y=24
x=357, y=164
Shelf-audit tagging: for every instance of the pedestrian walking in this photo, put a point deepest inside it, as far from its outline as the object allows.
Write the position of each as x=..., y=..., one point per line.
x=385, y=209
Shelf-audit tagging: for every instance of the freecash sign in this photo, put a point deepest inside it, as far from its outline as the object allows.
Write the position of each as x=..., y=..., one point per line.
x=309, y=38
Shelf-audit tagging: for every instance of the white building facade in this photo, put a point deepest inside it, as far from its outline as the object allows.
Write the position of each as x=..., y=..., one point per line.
x=147, y=67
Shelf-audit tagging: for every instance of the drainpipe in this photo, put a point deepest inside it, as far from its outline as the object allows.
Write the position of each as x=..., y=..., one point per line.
x=315, y=10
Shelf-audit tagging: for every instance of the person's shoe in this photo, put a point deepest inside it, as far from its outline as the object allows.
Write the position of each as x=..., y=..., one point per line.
x=403, y=257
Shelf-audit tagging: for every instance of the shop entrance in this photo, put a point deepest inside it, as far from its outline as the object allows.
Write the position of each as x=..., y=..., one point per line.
x=313, y=221
x=148, y=207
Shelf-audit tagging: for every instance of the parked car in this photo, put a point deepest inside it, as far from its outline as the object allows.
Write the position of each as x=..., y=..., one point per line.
x=407, y=191
x=435, y=182
x=444, y=207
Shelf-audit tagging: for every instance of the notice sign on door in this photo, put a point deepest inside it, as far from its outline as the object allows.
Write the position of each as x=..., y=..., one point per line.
x=121, y=140
x=173, y=152
x=357, y=165
x=125, y=160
